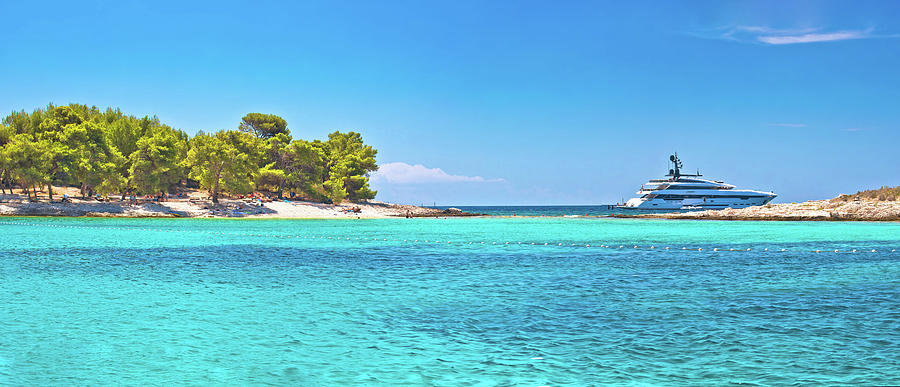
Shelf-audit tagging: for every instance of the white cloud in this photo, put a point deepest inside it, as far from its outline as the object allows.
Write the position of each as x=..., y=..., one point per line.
x=767, y=30
x=403, y=173
x=787, y=125
x=854, y=129
x=814, y=37
x=781, y=36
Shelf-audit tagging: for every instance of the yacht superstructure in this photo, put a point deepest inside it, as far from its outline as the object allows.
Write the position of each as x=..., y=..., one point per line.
x=690, y=191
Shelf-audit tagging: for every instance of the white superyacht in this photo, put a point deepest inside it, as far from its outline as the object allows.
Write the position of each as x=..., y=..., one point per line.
x=688, y=191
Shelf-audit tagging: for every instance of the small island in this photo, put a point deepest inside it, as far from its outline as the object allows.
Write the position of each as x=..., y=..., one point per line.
x=78, y=160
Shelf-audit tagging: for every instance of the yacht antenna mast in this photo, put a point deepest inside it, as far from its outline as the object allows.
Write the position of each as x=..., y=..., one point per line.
x=676, y=172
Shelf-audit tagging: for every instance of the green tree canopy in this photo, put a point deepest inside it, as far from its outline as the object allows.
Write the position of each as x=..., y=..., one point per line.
x=264, y=125
x=90, y=160
x=108, y=151
x=6, y=135
x=276, y=162
x=25, y=158
x=348, y=162
x=225, y=161
x=157, y=162
x=54, y=135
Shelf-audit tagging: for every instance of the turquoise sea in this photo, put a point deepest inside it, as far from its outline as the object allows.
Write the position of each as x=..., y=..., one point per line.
x=567, y=211
x=451, y=302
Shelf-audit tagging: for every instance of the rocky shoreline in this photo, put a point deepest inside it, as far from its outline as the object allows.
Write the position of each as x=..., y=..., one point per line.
x=817, y=210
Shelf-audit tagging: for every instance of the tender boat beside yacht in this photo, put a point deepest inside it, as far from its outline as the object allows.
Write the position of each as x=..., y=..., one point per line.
x=689, y=191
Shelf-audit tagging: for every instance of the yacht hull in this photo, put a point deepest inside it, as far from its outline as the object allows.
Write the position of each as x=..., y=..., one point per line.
x=710, y=202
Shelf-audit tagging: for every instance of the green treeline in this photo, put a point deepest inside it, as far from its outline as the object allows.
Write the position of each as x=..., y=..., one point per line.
x=108, y=152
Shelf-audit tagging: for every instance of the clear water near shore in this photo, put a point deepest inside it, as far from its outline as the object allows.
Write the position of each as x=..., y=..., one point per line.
x=369, y=301
x=572, y=210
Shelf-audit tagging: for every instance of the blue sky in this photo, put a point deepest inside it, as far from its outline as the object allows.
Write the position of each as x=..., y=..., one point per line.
x=500, y=102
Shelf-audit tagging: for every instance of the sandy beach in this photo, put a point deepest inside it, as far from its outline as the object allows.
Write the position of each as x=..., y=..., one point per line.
x=198, y=207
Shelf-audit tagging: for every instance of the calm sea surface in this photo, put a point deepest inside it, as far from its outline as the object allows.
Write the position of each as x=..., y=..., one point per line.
x=391, y=302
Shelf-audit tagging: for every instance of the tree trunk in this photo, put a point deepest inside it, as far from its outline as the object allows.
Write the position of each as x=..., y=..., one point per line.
x=215, y=197
x=280, y=188
x=82, y=191
x=50, y=191
x=218, y=179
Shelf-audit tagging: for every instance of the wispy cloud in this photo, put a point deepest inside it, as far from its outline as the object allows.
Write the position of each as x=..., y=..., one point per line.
x=815, y=37
x=854, y=129
x=780, y=36
x=403, y=173
x=787, y=125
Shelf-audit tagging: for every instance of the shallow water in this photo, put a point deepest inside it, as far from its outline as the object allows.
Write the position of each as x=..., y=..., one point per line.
x=194, y=301
x=567, y=211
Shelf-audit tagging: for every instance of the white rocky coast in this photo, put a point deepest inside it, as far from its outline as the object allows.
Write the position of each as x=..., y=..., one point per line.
x=834, y=209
